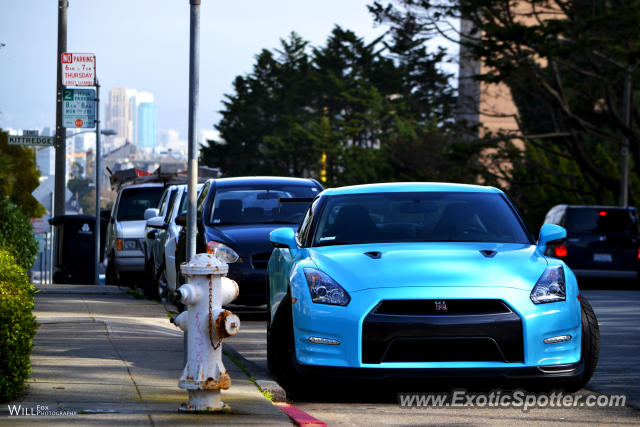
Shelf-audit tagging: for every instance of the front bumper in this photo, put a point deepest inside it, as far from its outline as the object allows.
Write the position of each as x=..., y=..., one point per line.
x=565, y=372
x=346, y=325
x=130, y=262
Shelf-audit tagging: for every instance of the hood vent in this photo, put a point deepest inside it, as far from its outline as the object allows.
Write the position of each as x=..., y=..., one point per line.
x=374, y=254
x=488, y=253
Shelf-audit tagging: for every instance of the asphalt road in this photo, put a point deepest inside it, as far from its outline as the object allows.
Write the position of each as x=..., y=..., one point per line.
x=618, y=372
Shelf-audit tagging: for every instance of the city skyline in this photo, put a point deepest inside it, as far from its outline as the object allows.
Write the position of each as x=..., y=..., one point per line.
x=151, y=54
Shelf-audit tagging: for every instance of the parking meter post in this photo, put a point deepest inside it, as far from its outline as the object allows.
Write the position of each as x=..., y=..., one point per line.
x=208, y=324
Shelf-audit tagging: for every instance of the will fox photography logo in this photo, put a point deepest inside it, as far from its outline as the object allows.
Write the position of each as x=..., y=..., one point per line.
x=38, y=411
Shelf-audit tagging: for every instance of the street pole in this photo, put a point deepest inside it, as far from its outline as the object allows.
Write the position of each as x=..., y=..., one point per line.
x=60, y=184
x=96, y=261
x=192, y=161
x=624, y=149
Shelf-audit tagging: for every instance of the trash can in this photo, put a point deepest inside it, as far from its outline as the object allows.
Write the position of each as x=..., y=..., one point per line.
x=74, y=248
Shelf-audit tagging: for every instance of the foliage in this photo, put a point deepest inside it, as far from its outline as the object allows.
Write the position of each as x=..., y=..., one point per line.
x=19, y=176
x=16, y=234
x=566, y=65
x=347, y=112
x=17, y=326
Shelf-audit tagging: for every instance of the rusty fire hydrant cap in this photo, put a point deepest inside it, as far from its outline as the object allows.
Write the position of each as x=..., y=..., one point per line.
x=204, y=264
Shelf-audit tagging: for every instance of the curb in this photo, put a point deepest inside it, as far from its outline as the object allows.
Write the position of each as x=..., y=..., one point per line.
x=299, y=417
x=263, y=378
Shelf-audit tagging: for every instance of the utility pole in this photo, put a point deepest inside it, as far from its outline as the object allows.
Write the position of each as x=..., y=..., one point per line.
x=192, y=160
x=624, y=149
x=60, y=184
x=97, y=257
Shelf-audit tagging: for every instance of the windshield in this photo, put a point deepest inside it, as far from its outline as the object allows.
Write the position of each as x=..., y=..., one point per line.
x=418, y=217
x=265, y=205
x=134, y=201
x=601, y=221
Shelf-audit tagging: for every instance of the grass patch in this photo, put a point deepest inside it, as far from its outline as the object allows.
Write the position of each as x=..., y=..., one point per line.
x=134, y=293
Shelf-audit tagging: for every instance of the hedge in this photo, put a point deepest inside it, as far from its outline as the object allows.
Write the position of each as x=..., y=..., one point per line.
x=16, y=234
x=17, y=326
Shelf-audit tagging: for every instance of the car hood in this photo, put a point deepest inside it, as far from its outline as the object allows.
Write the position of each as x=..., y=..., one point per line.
x=131, y=229
x=245, y=239
x=430, y=264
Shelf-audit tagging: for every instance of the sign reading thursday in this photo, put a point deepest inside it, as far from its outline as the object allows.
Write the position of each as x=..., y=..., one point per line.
x=31, y=140
x=78, y=69
x=79, y=108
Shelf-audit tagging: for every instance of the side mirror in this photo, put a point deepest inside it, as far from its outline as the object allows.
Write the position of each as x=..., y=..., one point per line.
x=157, y=222
x=549, y=233
x=181, y=220
x=283, y=238
x=151, y=212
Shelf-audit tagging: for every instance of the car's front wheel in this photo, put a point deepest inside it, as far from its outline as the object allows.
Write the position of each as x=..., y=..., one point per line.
x=281, y=348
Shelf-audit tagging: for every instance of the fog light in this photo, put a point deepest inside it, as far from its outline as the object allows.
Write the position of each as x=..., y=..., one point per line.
x=326, y=341
x=555, y=340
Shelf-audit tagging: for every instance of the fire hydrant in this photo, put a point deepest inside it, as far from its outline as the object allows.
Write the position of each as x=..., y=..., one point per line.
x=207, y=324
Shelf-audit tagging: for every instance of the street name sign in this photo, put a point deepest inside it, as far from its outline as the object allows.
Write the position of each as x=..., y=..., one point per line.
x=78, y=69
x=31, y=140
x=79, y=108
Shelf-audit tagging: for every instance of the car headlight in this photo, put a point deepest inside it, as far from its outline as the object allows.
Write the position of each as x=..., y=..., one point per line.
x=324, y=290
x=223, y=252
x=550, y=287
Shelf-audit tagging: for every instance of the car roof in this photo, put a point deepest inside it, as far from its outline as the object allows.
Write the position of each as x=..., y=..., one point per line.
x=147, y=185
x=403, y=187
x=273, y=180
x=594, y=207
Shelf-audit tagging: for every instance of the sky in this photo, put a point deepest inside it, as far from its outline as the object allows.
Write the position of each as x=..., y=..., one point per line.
x=144, y=45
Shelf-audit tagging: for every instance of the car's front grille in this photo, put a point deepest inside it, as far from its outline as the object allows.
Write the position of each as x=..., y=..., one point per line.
x=442, y=330
x=426, y=307
x=260, y=261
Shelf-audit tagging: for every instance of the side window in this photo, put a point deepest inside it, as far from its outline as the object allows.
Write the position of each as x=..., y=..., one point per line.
x=172, y=201
x=305, y=226
x=202, y=198
x=163, y=202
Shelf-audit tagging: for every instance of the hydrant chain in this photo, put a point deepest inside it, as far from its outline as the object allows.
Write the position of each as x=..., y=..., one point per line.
x=214, y=345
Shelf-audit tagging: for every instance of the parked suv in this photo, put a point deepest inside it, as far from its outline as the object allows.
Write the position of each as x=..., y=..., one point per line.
x=237, y=215
x=125, y=232
x=602, y=241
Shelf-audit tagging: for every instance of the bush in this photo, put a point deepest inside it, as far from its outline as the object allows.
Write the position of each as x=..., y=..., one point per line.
x=17, y=326
x=16, y=234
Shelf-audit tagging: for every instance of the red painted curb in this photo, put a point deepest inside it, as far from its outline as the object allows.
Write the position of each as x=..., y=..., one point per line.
x=299, y=417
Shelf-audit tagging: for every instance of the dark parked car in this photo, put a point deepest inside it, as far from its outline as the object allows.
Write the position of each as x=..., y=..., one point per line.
x=237, y=215
x=602, y=241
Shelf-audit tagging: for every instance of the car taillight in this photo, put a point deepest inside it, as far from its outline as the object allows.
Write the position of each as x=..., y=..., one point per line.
x=561, y=251
x=639, y=253
x=603, y=213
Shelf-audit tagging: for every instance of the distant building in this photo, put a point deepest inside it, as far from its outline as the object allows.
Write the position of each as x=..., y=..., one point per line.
x=118, y=115
x=46, y=161
x=146, y=122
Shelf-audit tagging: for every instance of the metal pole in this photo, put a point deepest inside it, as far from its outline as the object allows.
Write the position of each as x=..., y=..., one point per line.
x=60, y=184
x=624, y=149
x=96, y=261
x=192, y=162
x=192, y=159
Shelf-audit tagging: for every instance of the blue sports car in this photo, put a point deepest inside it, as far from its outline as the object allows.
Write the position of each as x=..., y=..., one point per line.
x=424, y=279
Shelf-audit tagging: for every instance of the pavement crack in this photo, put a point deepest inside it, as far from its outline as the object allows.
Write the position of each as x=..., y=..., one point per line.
x=108, y=332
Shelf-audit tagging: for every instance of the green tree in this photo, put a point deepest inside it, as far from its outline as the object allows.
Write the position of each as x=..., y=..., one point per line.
x=19, y=176
x=566, y=65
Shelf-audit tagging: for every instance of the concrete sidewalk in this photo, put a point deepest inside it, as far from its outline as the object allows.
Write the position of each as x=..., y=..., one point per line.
x=111, y=359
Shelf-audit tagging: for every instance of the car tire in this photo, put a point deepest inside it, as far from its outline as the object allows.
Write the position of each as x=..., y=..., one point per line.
x=160, y=283
x=590, y=347
x=111, y=276
x=281, y=349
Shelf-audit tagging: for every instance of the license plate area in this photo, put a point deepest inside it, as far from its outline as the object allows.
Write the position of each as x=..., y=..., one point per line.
x=602, y=258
